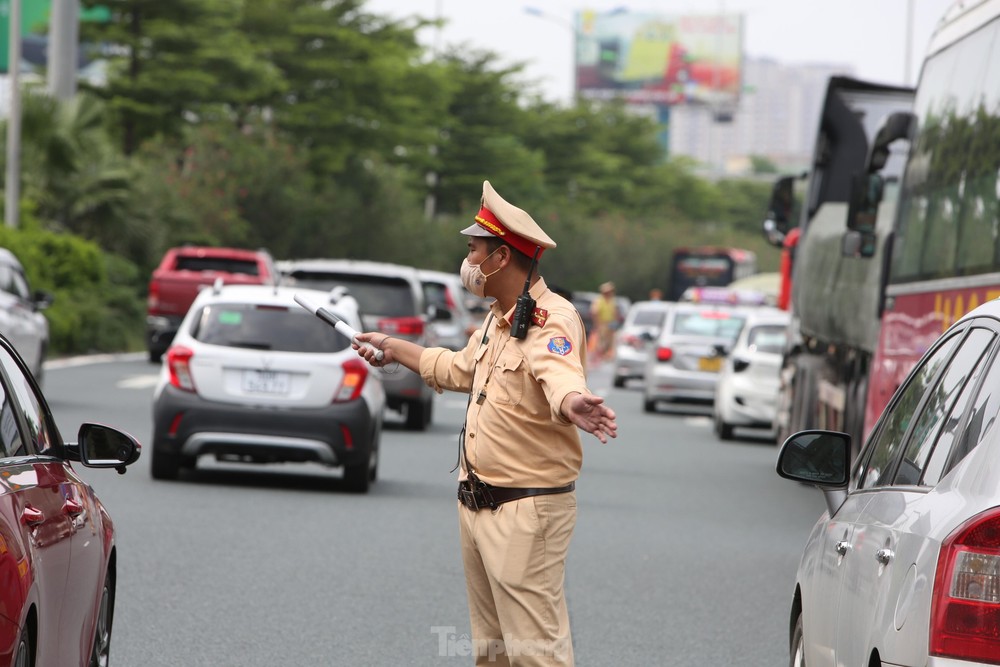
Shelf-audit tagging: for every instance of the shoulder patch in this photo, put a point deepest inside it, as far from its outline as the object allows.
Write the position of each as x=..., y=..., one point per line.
x=539, y=317
x=560, y=345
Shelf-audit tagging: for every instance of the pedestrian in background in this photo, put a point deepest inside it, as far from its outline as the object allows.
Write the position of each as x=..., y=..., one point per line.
x=520, y=451
x=606, y=316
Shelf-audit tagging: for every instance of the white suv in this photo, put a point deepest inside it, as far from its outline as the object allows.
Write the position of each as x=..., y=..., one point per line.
x=391, y=300
x=251, y=376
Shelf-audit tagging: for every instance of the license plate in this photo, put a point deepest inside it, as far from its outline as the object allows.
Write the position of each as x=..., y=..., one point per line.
x=710, y=364
x=265, y=382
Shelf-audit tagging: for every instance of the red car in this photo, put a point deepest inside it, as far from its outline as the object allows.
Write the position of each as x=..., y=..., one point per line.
x=183, y=272
x=57, y=542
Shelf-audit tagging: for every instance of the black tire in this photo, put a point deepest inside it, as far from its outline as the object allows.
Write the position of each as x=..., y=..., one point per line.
x=796, y=649
x=164, y=465
x=24, y=656
x=619, y=382
x=101, y=651
x=358, y=477
x=723, y=429
x=418, y=415
x=648, y=405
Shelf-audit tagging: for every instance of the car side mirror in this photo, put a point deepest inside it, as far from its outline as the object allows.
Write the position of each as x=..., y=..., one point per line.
x=821, y=458
x=43, y=299
x=100, y=446
x=816, y=457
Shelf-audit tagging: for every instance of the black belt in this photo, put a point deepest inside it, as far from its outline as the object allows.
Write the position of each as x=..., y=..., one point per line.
x=478, y=495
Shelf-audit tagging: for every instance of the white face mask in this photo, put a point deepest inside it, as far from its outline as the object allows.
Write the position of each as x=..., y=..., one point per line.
x=473, y=277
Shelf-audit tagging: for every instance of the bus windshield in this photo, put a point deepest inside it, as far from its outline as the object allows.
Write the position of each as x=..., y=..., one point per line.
x=708, y=267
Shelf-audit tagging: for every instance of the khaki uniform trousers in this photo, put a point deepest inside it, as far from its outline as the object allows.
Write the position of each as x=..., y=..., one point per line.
x=515, y=559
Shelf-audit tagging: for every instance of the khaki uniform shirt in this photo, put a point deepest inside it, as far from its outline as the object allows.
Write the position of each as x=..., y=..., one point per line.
x=516, y=436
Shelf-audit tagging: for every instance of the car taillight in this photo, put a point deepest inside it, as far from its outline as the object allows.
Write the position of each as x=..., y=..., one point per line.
x=402, y=326
x=153, y=300
x=664, y=354
x=179, y=365
x=965, y=604
x=355, y=374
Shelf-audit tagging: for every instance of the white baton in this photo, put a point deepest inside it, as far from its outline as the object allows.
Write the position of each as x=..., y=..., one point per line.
x=337, y=323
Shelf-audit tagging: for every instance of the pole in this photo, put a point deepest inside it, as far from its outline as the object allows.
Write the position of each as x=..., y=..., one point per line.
x=64, y=37
x=12, y=192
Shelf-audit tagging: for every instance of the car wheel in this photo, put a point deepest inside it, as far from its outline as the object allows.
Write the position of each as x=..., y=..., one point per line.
x=358, y=477
x=25, y=655
x=418, y=415
x=723, y=429
x=164, y=465
x=796, y=650
x=100, y=655
x=649, y=406
x=619, y=382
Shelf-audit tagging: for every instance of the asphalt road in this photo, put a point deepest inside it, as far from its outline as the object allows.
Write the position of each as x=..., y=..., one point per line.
x=684, y=553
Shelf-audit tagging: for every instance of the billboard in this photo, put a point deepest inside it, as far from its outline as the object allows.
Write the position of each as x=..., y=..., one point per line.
x=648, y=58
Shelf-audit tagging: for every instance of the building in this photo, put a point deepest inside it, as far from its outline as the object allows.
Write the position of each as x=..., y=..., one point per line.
x=776, y=119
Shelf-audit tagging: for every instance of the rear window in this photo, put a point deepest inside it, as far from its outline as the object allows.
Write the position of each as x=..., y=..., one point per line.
x=436, y=294
x=257, y=327
x=715, y=324
x=376, y=295
x=229, y=265
x=650, y=318
x=768, y=338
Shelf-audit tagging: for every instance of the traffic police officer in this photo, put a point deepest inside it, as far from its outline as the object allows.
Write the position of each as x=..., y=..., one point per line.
x=521, y=452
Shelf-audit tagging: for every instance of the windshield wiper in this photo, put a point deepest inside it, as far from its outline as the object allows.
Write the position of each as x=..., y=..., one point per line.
x=253, y=345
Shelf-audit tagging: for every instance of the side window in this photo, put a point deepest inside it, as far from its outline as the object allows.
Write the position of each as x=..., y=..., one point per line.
x=885, y=445
x=943, y=411
x=11, y=442
x=19, y=285
x=43, y=435
x=7, y=279
x=981, y=424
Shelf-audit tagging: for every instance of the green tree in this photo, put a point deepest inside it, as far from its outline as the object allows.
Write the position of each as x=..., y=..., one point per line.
x=177, y=61
x=353, y=83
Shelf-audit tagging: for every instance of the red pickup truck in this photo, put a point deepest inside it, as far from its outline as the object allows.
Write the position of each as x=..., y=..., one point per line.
x=183, y=271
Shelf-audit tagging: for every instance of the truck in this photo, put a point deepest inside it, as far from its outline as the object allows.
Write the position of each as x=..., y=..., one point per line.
x=183, y=272
x=834, y=260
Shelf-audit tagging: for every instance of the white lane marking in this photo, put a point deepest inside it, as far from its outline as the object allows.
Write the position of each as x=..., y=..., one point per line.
x=138, y=382
x=84, y=360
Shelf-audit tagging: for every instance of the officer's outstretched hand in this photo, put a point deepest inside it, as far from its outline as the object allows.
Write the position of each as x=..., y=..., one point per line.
x=589, y=413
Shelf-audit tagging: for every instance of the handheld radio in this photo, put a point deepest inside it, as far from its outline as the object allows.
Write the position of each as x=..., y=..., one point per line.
x=525, y=306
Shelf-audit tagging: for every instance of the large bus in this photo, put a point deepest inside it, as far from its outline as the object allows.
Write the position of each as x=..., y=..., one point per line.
x=708, y=266
x=945, y=257
x=833, y=254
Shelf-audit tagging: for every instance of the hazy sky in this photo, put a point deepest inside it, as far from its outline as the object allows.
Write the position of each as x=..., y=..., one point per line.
x=869, y=35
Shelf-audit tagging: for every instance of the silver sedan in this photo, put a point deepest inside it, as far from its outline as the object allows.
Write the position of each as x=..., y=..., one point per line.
x=904, y=568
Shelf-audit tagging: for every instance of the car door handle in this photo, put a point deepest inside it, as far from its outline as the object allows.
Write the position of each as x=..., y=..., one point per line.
x=72, y=507
x=843, y=547
x=884, y=556
x=31, y=516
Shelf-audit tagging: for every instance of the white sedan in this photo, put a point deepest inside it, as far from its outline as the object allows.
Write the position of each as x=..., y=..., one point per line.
x=904, y=567
x=746, y=395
